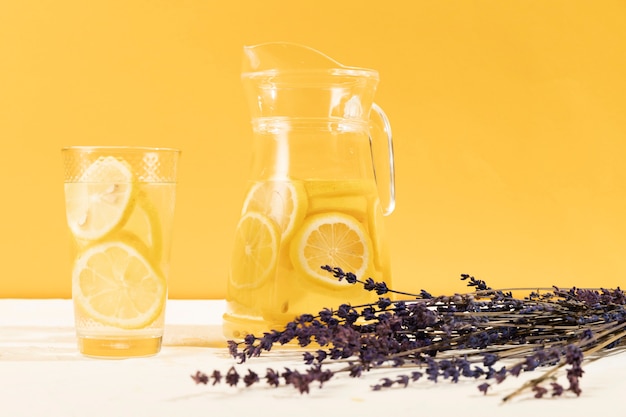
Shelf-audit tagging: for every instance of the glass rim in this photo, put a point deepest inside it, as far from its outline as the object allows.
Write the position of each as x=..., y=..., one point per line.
x=122, y=148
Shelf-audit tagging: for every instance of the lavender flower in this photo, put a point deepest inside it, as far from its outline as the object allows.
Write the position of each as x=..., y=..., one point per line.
x=485, y=334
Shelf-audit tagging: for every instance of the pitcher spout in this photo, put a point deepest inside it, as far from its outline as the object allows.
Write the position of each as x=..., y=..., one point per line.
x=288, y=80
x=287, y=56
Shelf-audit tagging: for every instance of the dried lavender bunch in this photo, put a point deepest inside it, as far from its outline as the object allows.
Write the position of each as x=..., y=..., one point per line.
x=484, y=334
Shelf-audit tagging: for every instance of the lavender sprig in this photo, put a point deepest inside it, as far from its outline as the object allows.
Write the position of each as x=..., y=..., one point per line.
x=484, y=334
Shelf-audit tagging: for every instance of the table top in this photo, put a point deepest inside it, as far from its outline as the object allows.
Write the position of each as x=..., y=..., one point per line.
x=42, y=374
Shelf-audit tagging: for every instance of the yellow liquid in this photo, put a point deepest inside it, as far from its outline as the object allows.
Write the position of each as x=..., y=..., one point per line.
x=119, y=347
x=148, y=229
x=263, y=304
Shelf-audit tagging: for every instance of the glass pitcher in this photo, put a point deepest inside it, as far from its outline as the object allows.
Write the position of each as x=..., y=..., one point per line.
x=313, y=195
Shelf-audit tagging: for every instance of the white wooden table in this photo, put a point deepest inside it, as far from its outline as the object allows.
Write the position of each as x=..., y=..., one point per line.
x=42, y=374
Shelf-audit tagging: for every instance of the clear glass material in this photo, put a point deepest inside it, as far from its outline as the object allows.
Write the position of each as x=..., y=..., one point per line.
x=119, y=209
x=319, y=166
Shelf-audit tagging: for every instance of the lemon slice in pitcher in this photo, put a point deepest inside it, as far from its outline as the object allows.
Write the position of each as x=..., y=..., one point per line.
x=285, y=202
x=100, y=201
x=255, y=251
x=334, y=239
x=115, y=284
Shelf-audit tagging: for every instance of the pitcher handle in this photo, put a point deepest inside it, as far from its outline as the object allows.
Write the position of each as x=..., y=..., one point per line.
x=386, y=127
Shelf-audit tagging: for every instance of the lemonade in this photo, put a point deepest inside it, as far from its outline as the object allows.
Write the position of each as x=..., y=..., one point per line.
x=322, y=150
x=121, y=223
x=290, y=229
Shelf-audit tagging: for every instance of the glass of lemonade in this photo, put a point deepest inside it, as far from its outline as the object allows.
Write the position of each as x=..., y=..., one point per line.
x=120, y=207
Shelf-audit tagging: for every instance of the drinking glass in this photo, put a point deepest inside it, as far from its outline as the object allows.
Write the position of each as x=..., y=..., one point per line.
x=120, y=207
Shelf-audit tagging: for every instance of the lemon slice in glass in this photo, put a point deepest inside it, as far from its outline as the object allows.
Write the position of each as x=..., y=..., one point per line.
x=255, y=251
x=144, y=222
x=100, y=201
x=334, y=239
x=285, y=202
x=115, y=284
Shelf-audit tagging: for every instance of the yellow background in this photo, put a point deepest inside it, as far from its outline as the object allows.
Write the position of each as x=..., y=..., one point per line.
x=509, y=120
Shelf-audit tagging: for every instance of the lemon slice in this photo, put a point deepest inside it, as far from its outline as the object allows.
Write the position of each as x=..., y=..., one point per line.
x=285, y=202
x=100, y=201
x=334, y=239
x=144, y=222
x=115, y=284
x=340, y=188
x=255, y=251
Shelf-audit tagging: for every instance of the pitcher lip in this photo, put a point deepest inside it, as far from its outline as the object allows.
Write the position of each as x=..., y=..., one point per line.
x=345, y=71
x=334, y=68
